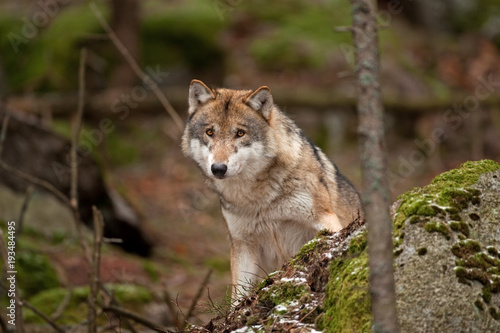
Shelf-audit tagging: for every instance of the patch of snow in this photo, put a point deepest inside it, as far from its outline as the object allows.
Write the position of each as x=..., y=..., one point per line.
x=280, y=308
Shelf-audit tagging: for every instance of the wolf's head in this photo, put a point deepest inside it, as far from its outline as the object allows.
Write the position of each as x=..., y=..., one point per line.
x=228, y=131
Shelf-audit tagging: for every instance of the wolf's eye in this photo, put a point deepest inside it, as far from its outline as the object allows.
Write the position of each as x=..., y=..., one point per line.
x=210, y=132
x=240, y=133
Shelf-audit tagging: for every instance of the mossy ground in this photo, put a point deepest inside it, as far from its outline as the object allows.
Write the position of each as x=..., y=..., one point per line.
x=131, y=296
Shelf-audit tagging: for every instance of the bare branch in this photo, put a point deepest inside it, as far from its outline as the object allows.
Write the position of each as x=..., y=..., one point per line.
x=62, y=306
x=3, y=132
x=36, y=181
x=43, y=316
x=74, y=163
x=135, y=67
x=94, y=269
x=198, y=295
x=24, y=208
x=136, y=317
x=170, y=305
x=77, y=125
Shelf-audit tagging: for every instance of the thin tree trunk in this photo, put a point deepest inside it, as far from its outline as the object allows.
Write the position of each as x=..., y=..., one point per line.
x=376, y=195
x=125, y=23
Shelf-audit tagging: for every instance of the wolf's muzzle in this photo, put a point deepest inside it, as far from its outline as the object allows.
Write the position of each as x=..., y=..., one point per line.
x=219, y=170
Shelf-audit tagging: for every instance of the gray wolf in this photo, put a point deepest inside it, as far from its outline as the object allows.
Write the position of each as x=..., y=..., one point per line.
x=276, y=188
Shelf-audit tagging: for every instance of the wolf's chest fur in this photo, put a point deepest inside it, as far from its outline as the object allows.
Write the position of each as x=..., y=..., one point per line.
x=276, y=188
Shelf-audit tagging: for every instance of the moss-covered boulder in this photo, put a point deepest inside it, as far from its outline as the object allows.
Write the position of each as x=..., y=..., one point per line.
x=448, y=254
x=447, y=267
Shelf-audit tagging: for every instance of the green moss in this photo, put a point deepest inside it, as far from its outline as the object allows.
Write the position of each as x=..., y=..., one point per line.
x=358, y=243
x=459, y=226
x=450, y=190
x=347, y=304
x=34, y=273
x=397, y=252
x=283, y=293
x=479, y=305
x=130, y=296
x=305, y=251
x=465, y=248
x=438, y=227
x=486, y=294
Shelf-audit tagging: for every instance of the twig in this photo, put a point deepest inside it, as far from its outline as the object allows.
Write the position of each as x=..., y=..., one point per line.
x=94, y=269
x=43, y=316
x=3, y=133
x=74, y=163
x=113, y=301
x=77, y=125
x=24, y=208
x=170, y=305
x=135, y=67
x=62, y=306
x=19, y=305
x=135, y=317
x=198, y=295
x=214, y=306
x=36, y=181
x=178, y=307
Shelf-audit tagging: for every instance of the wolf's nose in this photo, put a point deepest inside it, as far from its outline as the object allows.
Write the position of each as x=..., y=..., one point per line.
x=219, y=169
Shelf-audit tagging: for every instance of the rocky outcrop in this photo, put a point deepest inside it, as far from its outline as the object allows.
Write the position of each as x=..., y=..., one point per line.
x=447, y=267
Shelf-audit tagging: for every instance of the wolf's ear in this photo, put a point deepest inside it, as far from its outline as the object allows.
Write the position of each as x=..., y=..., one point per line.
x=261, y=101
x=199, y=93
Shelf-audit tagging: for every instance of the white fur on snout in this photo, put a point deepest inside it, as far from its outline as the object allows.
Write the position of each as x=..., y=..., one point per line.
x=201, y=154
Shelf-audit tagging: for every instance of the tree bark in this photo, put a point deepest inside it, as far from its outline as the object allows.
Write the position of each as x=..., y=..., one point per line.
x=125, y=23
x=376, y=195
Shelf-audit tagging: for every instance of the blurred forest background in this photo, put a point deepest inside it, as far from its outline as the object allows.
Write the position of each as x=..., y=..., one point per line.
x=440, y=76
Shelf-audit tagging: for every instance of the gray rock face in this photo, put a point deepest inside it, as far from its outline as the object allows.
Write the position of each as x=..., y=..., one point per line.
x=448, y=277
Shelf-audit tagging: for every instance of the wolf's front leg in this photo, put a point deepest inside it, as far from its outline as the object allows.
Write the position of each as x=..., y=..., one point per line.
x=244, y=266
x=331, y=222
